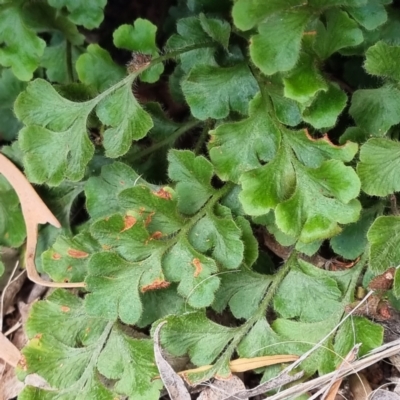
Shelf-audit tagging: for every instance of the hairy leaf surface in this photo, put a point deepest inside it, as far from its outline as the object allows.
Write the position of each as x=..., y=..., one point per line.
x=97, y=69
x=339, y=31
x=10, y=88
x=257, y=137
x=196, y=328
x=243, y=291
x=212, y=92
x=377, y=169
x=383, y=237
x=81, y=12
x=66, y=356
x=21, y=48
x=381, y=60
x=376, y=110
x=276, y=47
x=102, y=191
x=189, y=33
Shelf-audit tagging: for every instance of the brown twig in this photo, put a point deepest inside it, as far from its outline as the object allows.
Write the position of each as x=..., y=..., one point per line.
x=284, y=252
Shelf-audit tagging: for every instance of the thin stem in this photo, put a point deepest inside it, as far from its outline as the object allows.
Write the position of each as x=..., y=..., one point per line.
x=349, y=297
x=244, y=329
x=202, y=138
x=88, y=371
x=175, y=53
x=210, y=204
x=263, y=89
x=167, y=141
x=278, y=278
x=68, y=60
x=131, y=77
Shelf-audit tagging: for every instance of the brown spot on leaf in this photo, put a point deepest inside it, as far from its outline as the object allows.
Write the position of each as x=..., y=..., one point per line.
x=122, y=182
x=38, y=336
x=129, y=221
x=310, y=33
x=22, y=363
x=106, y=247
x=157, y=284
x=155, y=236
x=149, y=218
x=69, y=269
x=65, y=309
x=163, y=194
x=197, y=264
x=56, y=256
x=77, y=253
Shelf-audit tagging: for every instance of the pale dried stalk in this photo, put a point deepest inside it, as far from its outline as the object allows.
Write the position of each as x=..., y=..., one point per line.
x=35, y=212
x=10, y=281
x=329, y=391
x=384, y=351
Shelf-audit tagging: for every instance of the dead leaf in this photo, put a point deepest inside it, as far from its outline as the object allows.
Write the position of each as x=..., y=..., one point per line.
x=383, y=281
x=10, y=385
x=371, y=308
x=8, y=352
x=282, y=379
x=9, y=257
x=334, y=385
x=221, y=389
x=381, y=394
x=359, y=386
x=35, y=212
x=8, y=296
x=172, y=381
x=37, y=292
